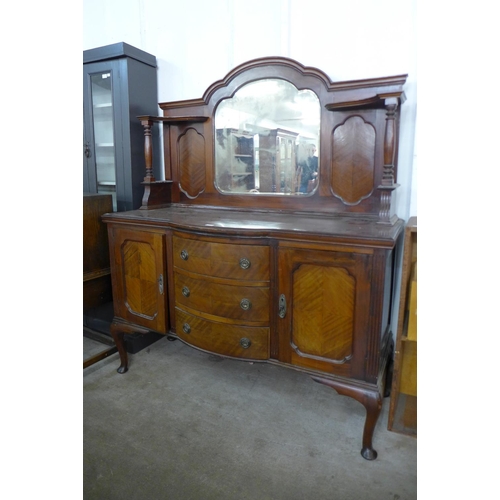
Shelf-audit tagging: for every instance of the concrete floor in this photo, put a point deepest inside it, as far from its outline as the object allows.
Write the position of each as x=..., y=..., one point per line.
x=185, y=425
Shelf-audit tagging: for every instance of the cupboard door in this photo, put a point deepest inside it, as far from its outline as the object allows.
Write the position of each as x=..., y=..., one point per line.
x=139, y=277
x=324, y=298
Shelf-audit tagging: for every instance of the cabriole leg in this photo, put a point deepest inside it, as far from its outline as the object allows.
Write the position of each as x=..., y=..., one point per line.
x=118, y=330
x=118, y=335
x=373, y=404
x=370, y=399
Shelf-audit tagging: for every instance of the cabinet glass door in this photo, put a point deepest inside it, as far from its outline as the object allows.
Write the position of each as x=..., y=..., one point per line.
x=103, y=131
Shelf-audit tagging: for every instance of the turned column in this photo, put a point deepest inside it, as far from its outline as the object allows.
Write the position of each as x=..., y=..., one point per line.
x=148, y=149
x=156, y=193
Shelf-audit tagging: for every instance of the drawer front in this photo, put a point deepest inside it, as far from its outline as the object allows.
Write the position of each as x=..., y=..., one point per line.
x=245, y=303
x=220, y=338
x=223, y=260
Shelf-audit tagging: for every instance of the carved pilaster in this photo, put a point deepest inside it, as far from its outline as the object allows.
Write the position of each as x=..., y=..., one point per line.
x=384, y=212
x=387, y=184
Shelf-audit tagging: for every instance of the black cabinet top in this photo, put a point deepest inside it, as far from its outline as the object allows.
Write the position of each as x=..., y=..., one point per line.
x=116, y=51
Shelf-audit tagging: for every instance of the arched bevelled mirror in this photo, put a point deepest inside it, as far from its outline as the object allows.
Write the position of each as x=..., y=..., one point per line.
x=267, y=140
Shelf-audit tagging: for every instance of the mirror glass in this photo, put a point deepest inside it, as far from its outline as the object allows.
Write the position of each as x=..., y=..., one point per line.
x=267, y=140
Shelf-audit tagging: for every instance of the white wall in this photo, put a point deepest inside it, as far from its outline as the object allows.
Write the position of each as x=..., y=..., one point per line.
x=197, y=42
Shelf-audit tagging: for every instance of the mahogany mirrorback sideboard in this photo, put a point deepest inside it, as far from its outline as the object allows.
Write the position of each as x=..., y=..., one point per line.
x=273, y=236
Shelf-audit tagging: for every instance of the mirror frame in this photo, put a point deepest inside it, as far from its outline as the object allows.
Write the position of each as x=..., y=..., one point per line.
x=266, y=138
x=358, y=144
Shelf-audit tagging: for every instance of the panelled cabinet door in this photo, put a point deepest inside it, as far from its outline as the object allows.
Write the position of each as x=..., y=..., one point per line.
x=323, y=299
x=139, y=277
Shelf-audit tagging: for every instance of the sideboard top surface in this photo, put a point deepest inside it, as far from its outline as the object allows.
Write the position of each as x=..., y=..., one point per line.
x=352, y=230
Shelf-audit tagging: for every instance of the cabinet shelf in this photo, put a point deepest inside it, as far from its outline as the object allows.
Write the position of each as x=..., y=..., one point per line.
x=170, y=120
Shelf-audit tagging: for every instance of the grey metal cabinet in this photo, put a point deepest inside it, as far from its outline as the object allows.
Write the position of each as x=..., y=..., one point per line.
x=119, y=84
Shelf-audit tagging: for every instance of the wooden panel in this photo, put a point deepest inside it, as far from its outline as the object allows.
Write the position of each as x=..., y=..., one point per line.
x=222, y=259
x=95, y=237
x=222, y=338
x=327, y=294
x=139, y=280
x=408, y=384
x=412, y=312
x=353, y=160
x=139, y=270
x=323, y=311
x=223, y=300
x=97, y=292
x=96, y=264
x=410, y=413
x=192, y=163
x=402, y=409
x=404, y=418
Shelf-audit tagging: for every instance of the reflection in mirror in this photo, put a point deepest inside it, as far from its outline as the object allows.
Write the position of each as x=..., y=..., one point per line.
x=267, y=140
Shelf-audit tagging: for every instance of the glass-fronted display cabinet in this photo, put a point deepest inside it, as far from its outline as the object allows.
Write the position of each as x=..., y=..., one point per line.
x=119, y=84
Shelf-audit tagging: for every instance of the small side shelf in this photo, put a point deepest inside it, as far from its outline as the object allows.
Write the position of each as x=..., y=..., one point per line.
x=403, y=406
x=173, y=119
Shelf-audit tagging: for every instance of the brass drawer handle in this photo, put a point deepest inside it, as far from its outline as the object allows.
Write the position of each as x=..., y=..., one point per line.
x=186, y=328
x=184, y=255
x=245, y=343
x=244, y=263
x=245, y=304
x=185, y=291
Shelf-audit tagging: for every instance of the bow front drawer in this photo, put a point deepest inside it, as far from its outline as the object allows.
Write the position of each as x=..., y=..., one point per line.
x=221, y=338
x=223, y=260
x=249, y=304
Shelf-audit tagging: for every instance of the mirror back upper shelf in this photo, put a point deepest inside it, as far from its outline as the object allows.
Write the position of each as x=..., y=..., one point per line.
x=274, y=134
